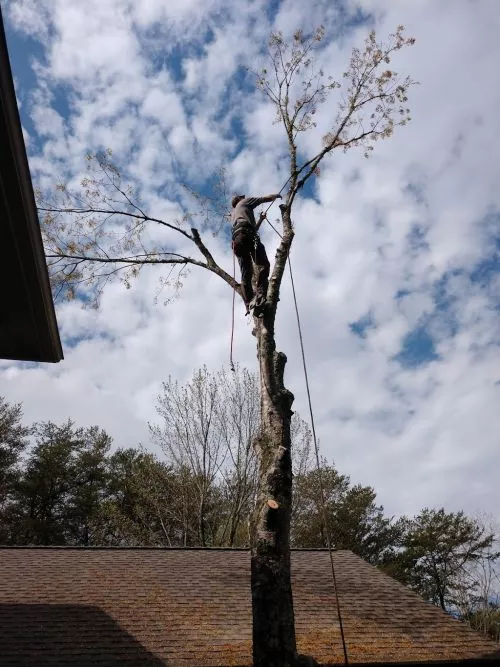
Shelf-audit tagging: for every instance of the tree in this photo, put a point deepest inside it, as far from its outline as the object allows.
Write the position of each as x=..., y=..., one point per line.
x=477, y=598
x=206, y=430
x=486, y=619
x=42, y=493
x=437, y=549
x=102, y=232
x=239, y=424
x=56, y=499
x=192, y=436
x=13, y=441
x=353, y=520
x=146, y=503
x=88, y=480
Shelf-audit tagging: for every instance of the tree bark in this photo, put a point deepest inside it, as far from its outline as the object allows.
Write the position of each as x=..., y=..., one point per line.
x=272, y=602
x=274, y=642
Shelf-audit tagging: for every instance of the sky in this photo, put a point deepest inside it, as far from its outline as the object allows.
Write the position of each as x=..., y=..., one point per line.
x=396, y=258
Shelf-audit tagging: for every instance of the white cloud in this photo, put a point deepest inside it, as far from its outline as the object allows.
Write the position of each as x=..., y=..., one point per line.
x=421, y=436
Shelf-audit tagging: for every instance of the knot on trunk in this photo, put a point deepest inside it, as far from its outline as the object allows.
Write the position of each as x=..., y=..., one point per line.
x=286, y=400
x=279, y=363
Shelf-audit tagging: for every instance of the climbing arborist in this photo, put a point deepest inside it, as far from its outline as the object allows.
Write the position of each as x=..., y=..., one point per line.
x=249, y=250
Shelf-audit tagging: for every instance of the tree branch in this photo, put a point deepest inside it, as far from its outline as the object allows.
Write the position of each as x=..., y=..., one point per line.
x=211, y=263
x=136, y=216
x=136, y=259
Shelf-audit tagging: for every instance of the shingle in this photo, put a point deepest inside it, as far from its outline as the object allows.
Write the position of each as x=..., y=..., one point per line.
x=193, y=607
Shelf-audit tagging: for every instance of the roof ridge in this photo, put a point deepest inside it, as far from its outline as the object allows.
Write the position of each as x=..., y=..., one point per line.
x=67, y=547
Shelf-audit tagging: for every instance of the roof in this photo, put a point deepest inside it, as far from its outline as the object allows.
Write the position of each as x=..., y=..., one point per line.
x=182, y=607
x=28, y=326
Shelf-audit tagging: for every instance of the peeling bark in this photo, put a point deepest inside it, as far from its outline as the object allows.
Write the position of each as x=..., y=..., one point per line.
x=272, y=602
x=273, y=617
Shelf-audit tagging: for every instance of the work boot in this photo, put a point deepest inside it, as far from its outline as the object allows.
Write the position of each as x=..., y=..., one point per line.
x=258, y=305
x=251, y=303
x=249, y=307
x=259, y=300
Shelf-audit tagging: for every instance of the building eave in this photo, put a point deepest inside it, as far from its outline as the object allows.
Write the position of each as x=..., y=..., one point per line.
x=28, y=325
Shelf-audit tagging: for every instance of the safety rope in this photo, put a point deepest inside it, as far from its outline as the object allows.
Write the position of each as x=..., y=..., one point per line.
x=318, y=464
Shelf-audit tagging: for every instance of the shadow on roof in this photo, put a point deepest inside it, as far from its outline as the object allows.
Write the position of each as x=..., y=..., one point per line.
x=81, y=635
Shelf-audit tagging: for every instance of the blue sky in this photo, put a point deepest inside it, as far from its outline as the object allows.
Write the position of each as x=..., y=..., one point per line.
x=396, y=257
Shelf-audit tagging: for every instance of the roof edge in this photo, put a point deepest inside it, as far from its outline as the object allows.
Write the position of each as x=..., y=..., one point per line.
x=37, y=276
x=65, y=547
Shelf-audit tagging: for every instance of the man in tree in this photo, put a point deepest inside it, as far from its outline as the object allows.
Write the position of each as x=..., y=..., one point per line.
x=249, y=249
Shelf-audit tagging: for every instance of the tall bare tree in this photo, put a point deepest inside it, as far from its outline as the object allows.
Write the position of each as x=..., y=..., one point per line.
x=207, y=428
x=239, y=424
x=477, y=593
x=189, y=435
x=102, y=232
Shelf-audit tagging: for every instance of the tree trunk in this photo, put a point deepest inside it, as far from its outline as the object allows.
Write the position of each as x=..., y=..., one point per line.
x=272, y=603
x=201, y=521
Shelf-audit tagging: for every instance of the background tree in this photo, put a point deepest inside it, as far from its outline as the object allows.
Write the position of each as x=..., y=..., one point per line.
x=102, y=232
x=57, y=496
x=437, y=549
x=88, y=474
x=485, y=618
x=194, y=422
x=353, y=519
x=39, y=505
x=478, y=595
x=206, y=431
x=239, y=423
x=13, y=440
x=146, y=503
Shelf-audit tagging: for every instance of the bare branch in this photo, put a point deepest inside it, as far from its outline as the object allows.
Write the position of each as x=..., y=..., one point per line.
x=136, y=259
x=92, y=211
x=91, y=228
x=371, y=91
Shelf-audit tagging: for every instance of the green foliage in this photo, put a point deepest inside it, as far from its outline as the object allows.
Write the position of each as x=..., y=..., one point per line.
x=56, y=497
x=88, y=476
x=146, y=502
x=486, y=620
x=436, y=548
x=13, y=441
x=353, y=519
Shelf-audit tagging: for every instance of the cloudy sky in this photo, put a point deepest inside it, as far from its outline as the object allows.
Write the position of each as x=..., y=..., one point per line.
x=396, y=258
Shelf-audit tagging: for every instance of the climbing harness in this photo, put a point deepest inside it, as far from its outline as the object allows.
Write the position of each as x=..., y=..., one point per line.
x=313, y=428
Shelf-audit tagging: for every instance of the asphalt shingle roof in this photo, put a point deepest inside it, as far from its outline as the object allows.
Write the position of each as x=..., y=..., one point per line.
x=180, y=607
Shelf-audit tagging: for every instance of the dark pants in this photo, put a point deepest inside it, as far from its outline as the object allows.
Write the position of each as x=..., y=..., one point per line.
x=251, y=255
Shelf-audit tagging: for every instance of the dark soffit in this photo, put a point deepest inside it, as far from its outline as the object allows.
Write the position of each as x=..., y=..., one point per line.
x=28, y=325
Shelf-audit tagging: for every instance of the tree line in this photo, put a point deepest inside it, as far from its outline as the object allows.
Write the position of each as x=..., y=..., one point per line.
x=62, y=484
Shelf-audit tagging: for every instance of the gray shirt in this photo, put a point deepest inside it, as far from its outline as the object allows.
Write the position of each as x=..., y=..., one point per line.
x=242, y=214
